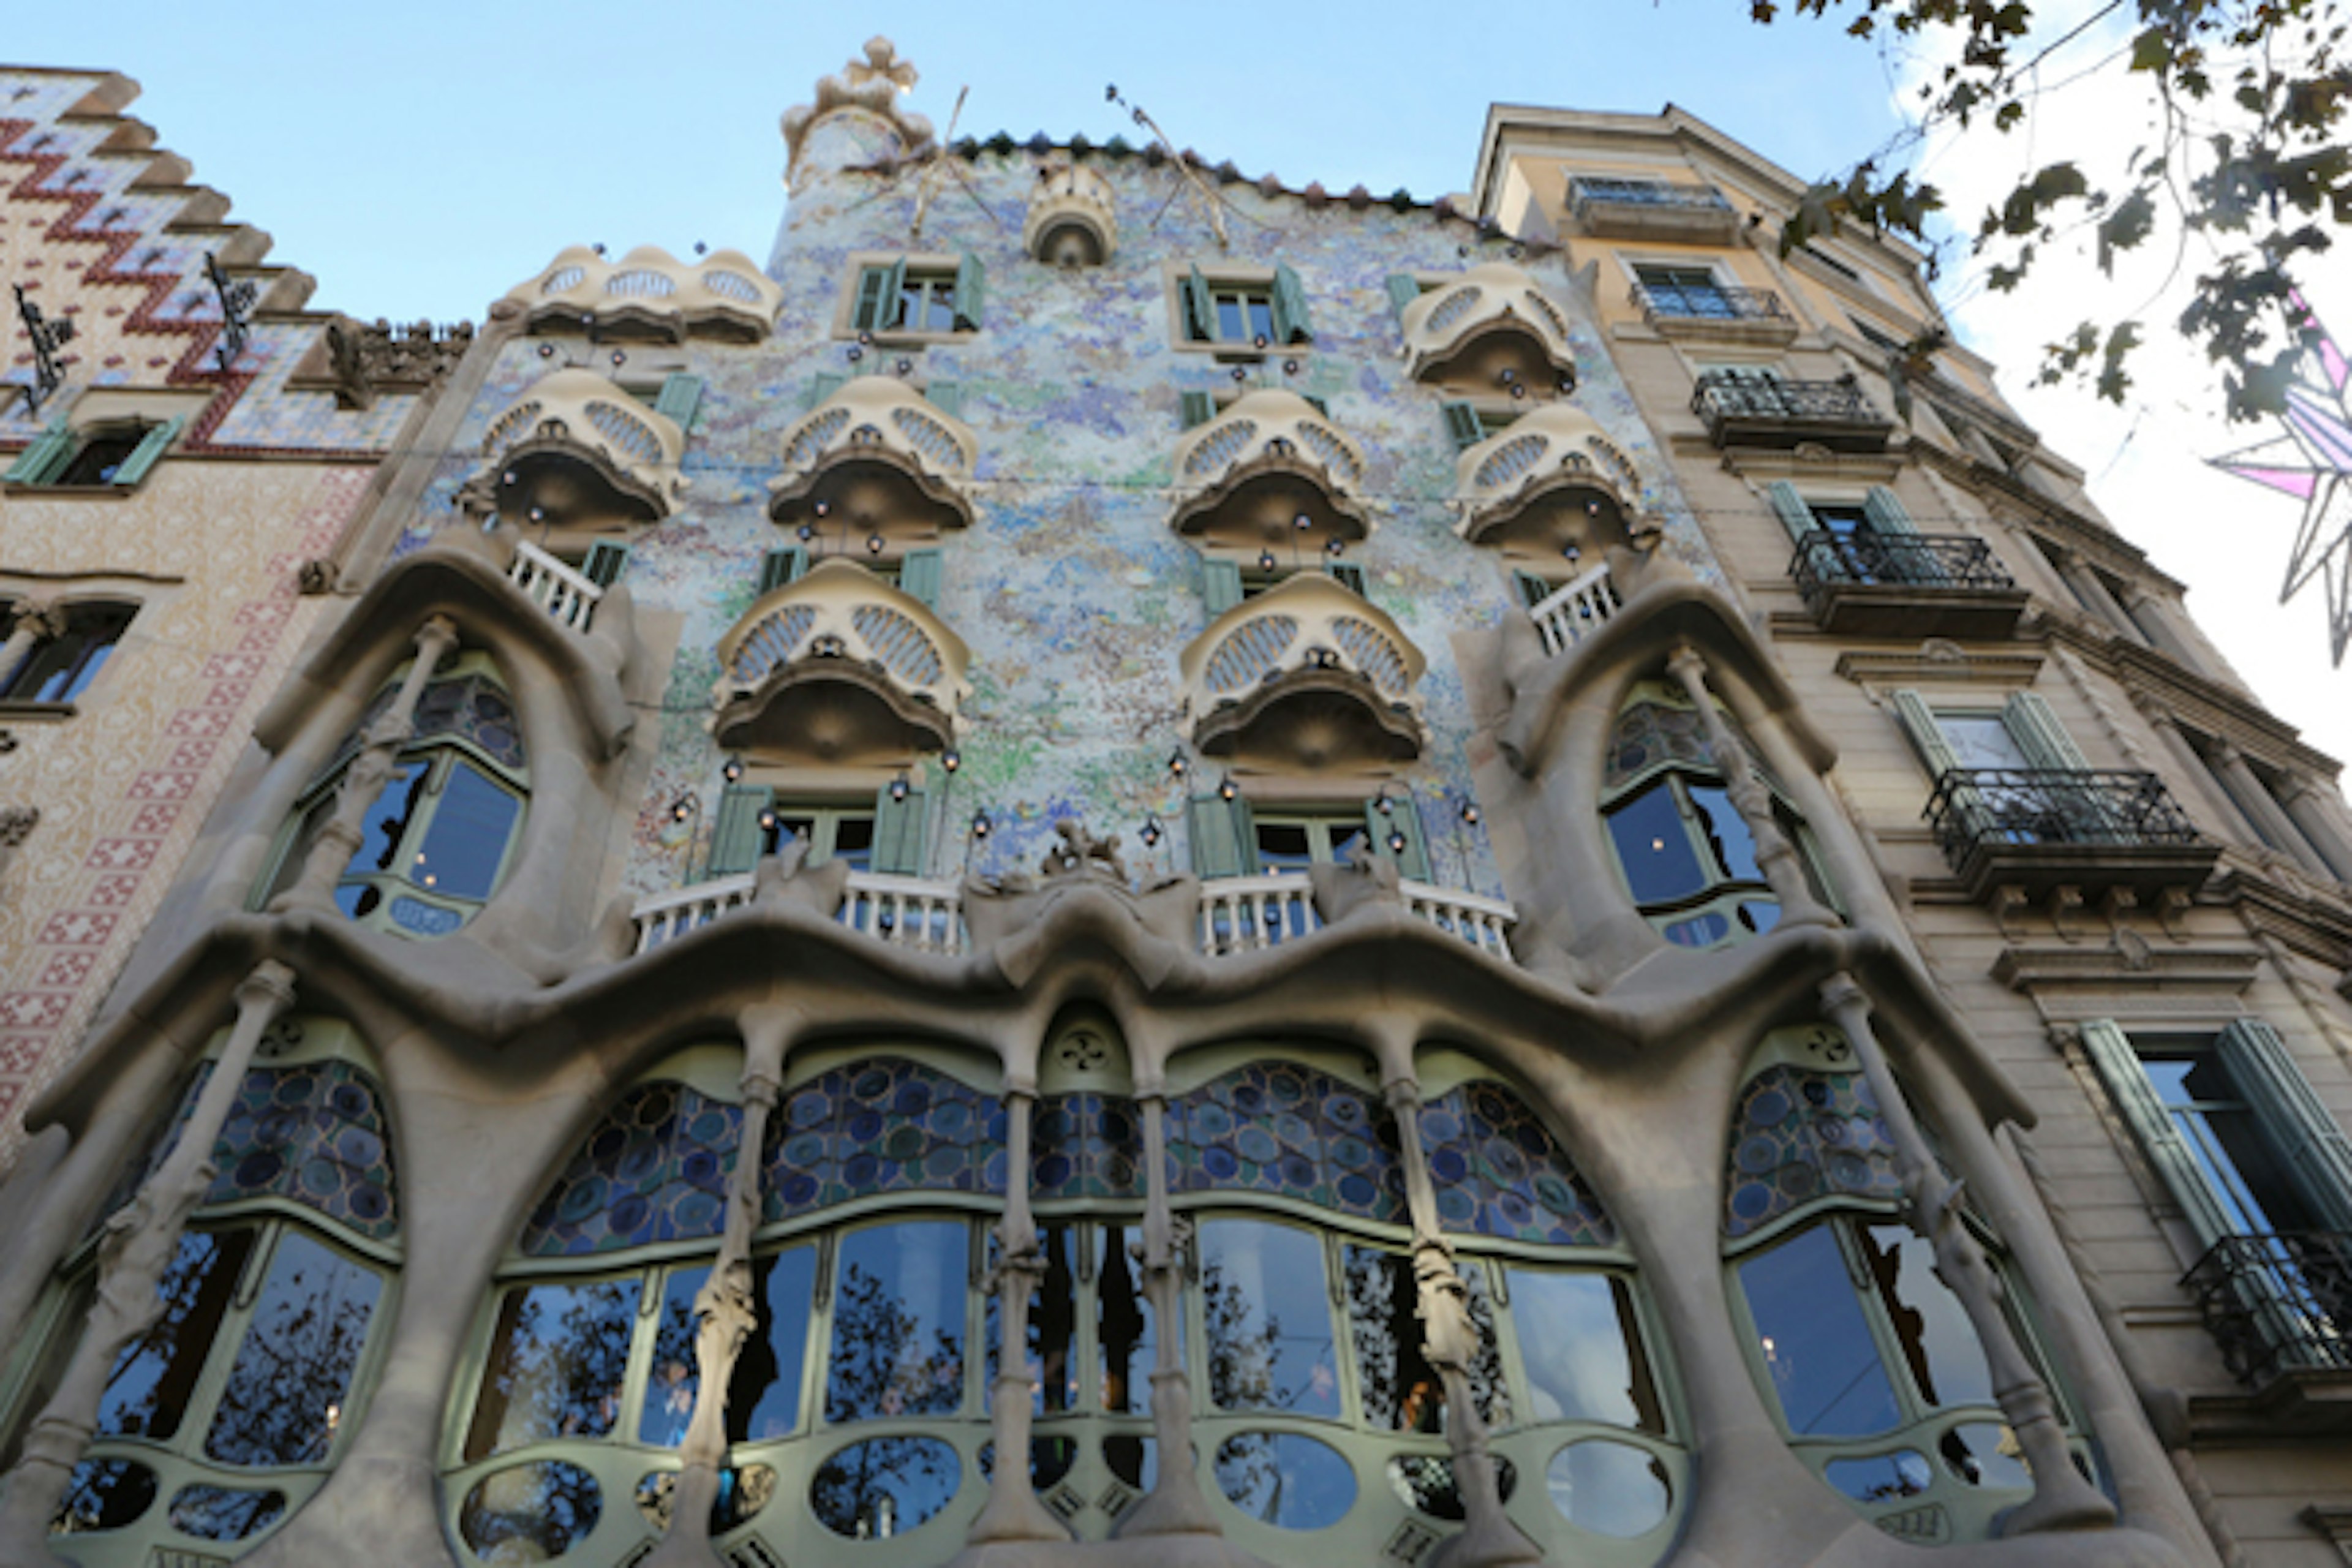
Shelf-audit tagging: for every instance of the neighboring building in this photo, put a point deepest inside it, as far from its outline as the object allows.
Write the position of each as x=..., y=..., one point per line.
x=1289, y=801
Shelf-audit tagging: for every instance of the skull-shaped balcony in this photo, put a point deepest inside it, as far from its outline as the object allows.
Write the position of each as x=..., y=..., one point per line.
x=1307, y=676
x=576, y=452
x=875, y=461
x=1270, y=473
x=1547, y=486
x=1492, y=327
x=648, y=296
x=839, y=668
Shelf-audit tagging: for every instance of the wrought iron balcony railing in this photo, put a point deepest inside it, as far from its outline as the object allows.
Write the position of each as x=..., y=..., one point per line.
x=1722, y=395
x=1956, y=561
x=1708, y=301
x=2277, y=1303
x=1657, y=208
x=1974, y=809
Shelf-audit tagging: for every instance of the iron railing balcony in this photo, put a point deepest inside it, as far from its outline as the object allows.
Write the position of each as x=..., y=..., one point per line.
x=1909, y=586
x=2037, y=829
x=1742, y=409
x=2278, y=1303
x=1655, y=209
x=1663, y=303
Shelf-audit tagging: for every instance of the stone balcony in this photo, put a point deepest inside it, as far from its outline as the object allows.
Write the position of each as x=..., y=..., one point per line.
x=1491, y=327
x=1906, y=585
x=577, y=451
x=1270, y=473
x=1764, y=410
x=648, y=295
x=839, y=668
x=553, y=586
x=1547, y=484
x=1651, y=209
x=1715, y=312
x=1305, y=676
x=876, y=457
x=2027, y=832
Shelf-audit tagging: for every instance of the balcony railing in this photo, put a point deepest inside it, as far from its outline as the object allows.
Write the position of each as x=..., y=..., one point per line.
x=1577, y=610
x=1710, y=302
x=905, y=911
x=1953, y=561
x=2277, y=1303
x=1766, y=408
x=1656, y=208
x=648, y=293
x=558, y=589
x=1245, y=914
x=1973, y=808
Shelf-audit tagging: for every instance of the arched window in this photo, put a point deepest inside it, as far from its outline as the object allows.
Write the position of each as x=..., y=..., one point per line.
x=1869, y=1360
x=857, y=1398
x=1687, y=855
x=221, y=1419
x=440, y=831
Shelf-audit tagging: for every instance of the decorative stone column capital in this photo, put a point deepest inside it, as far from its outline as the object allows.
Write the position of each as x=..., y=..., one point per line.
x=268, y=990
x=435, y=638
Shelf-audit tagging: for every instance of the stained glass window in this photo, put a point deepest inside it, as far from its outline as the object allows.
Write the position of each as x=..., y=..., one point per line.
x=1289, y=1130
x=655, y=1169
x=1087, y=1145
x=1799, y=1134
x=1498, y=1172
x=884, y=1125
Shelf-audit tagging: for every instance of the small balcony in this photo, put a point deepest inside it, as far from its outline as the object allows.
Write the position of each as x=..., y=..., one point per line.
x=876, y=458
x=2037, y=829
x=575, y=451
x=1576, y=610
x=1906, y=585
x=554, y=587
x=1247, y=914
x=1747, y=410
x=1651, y=209
x=839, y=668
x=1491, y=327
x=648, y=296
x=1305, y=676
x=1269, y=473
x=1547, y=484
x=2280, y=1306
x=904, y=912
x=1716, y=312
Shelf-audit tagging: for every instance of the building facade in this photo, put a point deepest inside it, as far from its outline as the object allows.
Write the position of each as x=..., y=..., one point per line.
x=1501, y=882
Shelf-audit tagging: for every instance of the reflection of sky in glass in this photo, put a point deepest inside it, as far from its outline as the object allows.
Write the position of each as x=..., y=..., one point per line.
x=675, y=1377
x=148, y=1389
x=387, y=819
x=528, y=1513
x=1881, y=1477
x=2227, y=1145
x=763, y=1400
x=1825, y=1369
x=461, y=851
x=1269, y=1318
x=1727, y=831
x=884, y=1487
x=285, y=1394
x=1654, y=846
x=1122, y=1325
x=1286, y=1479
x=1574, y=1338
x=898, y=1321
x=557, y=1359
x=1985, y=1454
x=1609, y=1488
x=1939, y=1341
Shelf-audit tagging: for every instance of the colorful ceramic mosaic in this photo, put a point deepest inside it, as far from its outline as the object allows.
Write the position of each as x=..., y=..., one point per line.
x=655, y=1169
x=1498, y=1172
x=1086, y=1146
x=1291, y=1132
x=887, y=1125
x=1800, y=1135
x=473, y=708
x=1650, y=733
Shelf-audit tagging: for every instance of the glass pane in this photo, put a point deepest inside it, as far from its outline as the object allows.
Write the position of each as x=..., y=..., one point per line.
x=1980, y=740
x=225, y=1513
x=1261, y=318
x=1286, y=1479
x=1054, y=1325
x=1609, y=1488
x=1825, y=1369
x=284, y=1399
x=147, y=1391
x=468, y=837
x=1400, y=1390
x=1425, y=1482
x=103, y=1494
x=387, y=820
x=763, y=1400
x=1233, y=319
x=1122, y=1323
x=557, y=1359
x=2228, y=1146
x=675, y=1376
x=1269, y=1318
x=898, y=1321
x=1985, y=1454
x=884, y=1487
x=1582, y=1346
x=1283, y=847
x=853, y=840
x=1486, y=1385
x=1881, y=1477
x=531, y=1512
x=1726, y=833
x=1940, y=1344
x=1655, y=847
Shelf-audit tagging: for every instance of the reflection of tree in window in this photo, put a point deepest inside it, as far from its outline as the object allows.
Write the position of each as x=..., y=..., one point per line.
x=1268, y=1317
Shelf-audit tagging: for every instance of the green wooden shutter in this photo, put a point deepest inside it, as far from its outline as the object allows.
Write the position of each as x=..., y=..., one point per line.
x=1199, y=309
x=1885, y=510
x=1290, y=323
x=1223, y=836
x=971, y=286
x=51, y=451
x=2039, y=736
x=606, y=560
x=947, y=396
x=898, y=831
x=1402, y=291
x=878, y=290
x=1221, y=584
x=824, y=384
x=737, y=838
x=781, y=566
x=919, y=575
x=1196, y=408
x=1533, y=590
x=1463, y=423
x=681, y=396
x=2111, y=1053
x=1348, y=575
x=2298, y=1126
x=1926, y=737
x=1402, y=818
x=1791, y=509
x=149, y=451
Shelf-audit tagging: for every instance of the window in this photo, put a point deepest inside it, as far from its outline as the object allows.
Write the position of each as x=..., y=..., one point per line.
x=1225, y=584
x=1871, y=539
x=886, y=833
x=113, y=455
x=59, y=668
x=1232, y=838
x=1685, y=291
x=1468, y=424
x=919, y=297
x=1246, y=313
x=438, y=836
x=2012, y=773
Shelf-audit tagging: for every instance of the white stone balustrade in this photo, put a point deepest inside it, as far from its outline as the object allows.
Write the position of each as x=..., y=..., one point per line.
x=1448, y=321
x=1246, y=914
x=839, y=610
x=649, y=292
x=557, y=588
x=575, y=416
x=1577, y=610
x=905, y=911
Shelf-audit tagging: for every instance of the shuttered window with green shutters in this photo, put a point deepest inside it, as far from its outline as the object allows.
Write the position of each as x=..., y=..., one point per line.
x=971, y=285
x=1463, y=425
x=781, y=566
x=113, y=455
x=682, y=396
x=1291, y=324
x=947, y=396
x=919, y=575
x=1394, y=823
x=738, y=832
x=875, y=308
x=902, y=821
x=1349, y=575
x=1195, y=408
x=606, y=559
x=1221, y=585
x=1249, y=314
x=1403, y=292
x=1223, y=837
x=48, y=456
x=824, y=384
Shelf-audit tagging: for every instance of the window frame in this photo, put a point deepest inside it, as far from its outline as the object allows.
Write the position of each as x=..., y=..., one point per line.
x=1286, y=338
x=83, y=671
x=958, y=280
x=40, y=466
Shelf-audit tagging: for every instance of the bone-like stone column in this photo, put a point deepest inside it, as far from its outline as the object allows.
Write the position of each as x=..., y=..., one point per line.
x=2062, y=1498
x=133, y=1254
x=1450, y=1342
x=36, y=621
x=1776, y=854
x=1175, y=1505
x=725, y=1310
x=341, y=838
x=1013, y=1512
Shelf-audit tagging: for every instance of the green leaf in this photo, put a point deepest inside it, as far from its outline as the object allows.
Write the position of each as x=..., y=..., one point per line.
x=2151, y=51
x=2131, y=222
